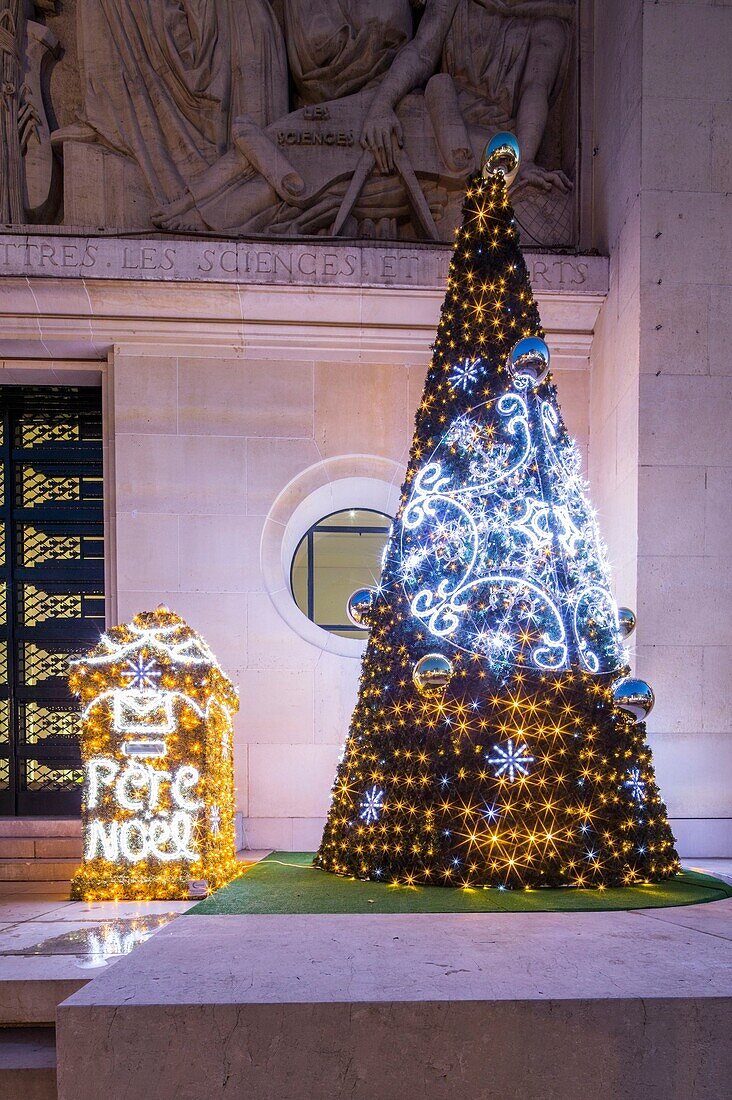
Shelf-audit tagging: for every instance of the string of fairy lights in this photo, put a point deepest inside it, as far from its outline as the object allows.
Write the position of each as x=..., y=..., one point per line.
x=156, y=741
x=497, y=739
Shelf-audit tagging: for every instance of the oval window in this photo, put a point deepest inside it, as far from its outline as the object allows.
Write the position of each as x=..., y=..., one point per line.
x=337, y=555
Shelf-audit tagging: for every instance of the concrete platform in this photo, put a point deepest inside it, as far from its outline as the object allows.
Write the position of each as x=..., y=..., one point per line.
x=538, y=1006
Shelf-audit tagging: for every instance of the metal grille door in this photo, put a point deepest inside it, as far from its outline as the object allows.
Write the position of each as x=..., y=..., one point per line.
x=51, y=588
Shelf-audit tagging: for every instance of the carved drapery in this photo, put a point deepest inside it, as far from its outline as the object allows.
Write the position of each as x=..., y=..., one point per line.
x=299, y=117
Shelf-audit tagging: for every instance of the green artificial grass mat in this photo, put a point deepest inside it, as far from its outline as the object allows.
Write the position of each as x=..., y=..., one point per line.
x=286, y=882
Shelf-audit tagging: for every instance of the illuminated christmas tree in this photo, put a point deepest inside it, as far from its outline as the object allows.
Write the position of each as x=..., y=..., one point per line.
x=497, y=738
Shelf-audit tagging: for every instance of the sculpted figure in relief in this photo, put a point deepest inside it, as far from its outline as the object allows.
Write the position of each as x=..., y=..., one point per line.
x=29, y=175
x=163, y=81
x=355, y=117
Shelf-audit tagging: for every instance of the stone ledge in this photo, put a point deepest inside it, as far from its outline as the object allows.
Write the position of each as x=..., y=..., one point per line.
x=535, y=1005
x=273, y=263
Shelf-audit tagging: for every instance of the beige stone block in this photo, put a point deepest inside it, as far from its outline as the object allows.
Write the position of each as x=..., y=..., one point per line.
x=675, y=674
x=720, y=330
x=241, y=768
x=683, y=424
x=220, y=553
x=276, y=706
x=603, y=460
x=617, y=177
x=220, y=619
x=687, y=237
x=147, y=552
x=307, y=833
x=271, y=464
x=684, y=599
x=619, y=521
x=145, y=394
x=573, y=387
x=629, y=258
x=614, y=357
x=671, y=508
x=675, y=329
x=722, y=147
x=718, y=511
x=361, y=410
x=336, y=692
x=245, y=397
x=415, y=387
x=291, y=780
x=268, y=832
x=273, y=644
x=164, y=300
x=716, y=694
x=686, y=46
x=694, y=772
x=186, y=474
x=626, y=424
x=671, y=124
x=624, y=581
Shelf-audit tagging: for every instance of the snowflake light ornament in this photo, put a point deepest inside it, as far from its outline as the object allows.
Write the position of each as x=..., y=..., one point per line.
x=635, y=784
x=142, y=673
x=465, y=374
x=510, y=760
x=372, y=804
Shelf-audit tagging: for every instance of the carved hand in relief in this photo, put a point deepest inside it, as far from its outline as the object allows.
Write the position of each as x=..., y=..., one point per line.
x=533, y=175
x=380, y=128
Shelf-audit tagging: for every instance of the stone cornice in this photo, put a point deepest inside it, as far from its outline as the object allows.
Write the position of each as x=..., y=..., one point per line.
x=271, y=263
x=76, y=297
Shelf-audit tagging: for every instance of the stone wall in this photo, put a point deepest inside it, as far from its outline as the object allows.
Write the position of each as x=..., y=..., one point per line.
x=661, y=401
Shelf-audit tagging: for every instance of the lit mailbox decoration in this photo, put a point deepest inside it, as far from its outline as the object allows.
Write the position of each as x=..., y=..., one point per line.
x=156, y=741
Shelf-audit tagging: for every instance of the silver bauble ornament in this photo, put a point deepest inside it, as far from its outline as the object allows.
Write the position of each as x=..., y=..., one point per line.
x=502, y=154
x=432, y=672
x=358, y=606
x=626, y=621
x=635, y=697
x=528, y=360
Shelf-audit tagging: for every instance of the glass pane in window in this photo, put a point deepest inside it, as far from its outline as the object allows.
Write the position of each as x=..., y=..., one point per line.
x=342, y=562
x=340, y=553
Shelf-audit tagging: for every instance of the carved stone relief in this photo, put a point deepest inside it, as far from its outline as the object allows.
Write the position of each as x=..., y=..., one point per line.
x=353, y=118
x=30, y=178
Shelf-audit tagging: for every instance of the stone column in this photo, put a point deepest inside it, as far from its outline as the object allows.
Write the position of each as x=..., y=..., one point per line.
x=661, y=382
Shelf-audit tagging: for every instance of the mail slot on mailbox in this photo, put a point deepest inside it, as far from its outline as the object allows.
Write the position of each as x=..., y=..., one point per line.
x=156, y=741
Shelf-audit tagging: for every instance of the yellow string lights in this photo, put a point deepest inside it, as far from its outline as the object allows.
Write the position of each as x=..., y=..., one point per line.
x=158, y=806
x=507, y=762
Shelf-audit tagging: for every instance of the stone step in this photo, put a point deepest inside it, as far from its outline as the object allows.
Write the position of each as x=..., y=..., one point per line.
x=40, y=826
x=28, y=1063
x=29, y=847
x=56, y=890
x=32, y=986
x=38, y=870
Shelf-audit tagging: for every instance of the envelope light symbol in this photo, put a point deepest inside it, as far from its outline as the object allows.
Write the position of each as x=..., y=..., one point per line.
x=143, y=711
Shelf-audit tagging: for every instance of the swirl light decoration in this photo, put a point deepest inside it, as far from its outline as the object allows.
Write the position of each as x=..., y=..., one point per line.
x=158, y=805
x=517, y=767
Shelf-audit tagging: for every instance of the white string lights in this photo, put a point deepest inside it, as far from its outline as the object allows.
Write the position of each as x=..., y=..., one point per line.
x=156, y=740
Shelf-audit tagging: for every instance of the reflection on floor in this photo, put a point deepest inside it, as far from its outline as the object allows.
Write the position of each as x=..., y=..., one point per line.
x=92, y=935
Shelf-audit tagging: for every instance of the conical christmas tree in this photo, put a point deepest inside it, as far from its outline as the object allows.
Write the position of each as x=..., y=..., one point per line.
x=495, y=740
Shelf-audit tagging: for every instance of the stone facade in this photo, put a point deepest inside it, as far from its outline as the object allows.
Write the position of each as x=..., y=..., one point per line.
x=250, y=381
x=359, y=118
